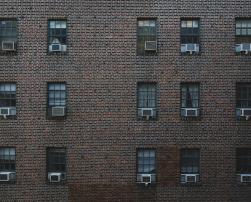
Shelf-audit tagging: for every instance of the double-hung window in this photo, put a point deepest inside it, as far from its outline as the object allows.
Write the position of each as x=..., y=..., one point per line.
x=56, y=164
x=147, y=37
x=243, y=35
x=56, y=99
x=146, y=100
x=190, y=36
x=190, y=99
x=7, y=164
x=57, y=36
x=146, y=164
x=243, y=99
x=243, y=165
x=190, y=165
x=7, y=99
x=8, y=35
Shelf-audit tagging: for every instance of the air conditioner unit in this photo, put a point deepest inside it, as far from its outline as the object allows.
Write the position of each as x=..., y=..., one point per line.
x=55, y=47
x=147, y=112
x=243, y=112
x=245, y=47
x=145, y=179
x=8, y=45
x=5, y=111
x=58, y=111
x=7, y=176
x=193, y=112
x=190, y=47
x=245, y=178
x=56, y=176
x=151, y=45
x=189, y=178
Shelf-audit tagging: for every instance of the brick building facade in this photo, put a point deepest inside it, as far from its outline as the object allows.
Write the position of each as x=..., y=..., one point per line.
x=125, y=74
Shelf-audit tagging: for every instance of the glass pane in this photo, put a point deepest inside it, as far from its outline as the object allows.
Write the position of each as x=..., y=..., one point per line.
x=238, y=32
x=152, y=153
x=52, y=24
x=152, y=23
x=195, y=24
x=244, y=24
x=244, y=31
x=249, y=31
x=189, y=24
x=63, y=24
x=249, y=24
x=140, y=23
x=238, y=24
x=183, y=24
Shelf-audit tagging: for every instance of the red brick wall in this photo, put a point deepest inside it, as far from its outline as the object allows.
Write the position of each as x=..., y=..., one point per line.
x=101, y=70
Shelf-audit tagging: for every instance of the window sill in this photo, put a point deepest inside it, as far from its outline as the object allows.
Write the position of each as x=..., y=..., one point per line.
x=191, y=184
x=11, y=117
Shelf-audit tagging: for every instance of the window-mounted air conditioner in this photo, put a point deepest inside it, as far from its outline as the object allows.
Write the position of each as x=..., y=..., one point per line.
x=151, y=45
x=190, y=112
x=243, y=112
x=145, y=179
x=190, y=48
x=147, y=112
x=244, y=47
x=8, y=45
x=56, y=176
x=245, y=178
x=189, y=178
x=57, y=111
x=7, y=176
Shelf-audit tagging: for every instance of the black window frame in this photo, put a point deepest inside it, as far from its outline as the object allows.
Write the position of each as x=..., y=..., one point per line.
x=239, y=100
x=142, y=51
x=190, y=35
x=49, y=36
x=194, y=163
x=148, y=84
x=9, y=97
x=56, y=151
x=243, y=164
x=149, y=164
x=13, y=38
x=49, y=106
x=187, y=85
x=11, y=166
x=239, y=38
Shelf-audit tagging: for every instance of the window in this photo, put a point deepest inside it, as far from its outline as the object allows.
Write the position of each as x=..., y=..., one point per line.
x=146, y=99
x=56, y=164
x=190, y=165
x=7, y=164
x=243, y=160
x=146, y=163
x=243, y=99
x=243, y=35
x=189, y=99
x=7, y=99
x=8, y=35
x=243, y=30
x=147, y=37
x=190, y=39
x=57, y=36
x=56, y=99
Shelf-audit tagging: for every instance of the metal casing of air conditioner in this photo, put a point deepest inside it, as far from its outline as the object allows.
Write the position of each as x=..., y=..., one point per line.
x=189, y=178
x=57, y=47
x=151, y=46
x=244, y=47
x=56, y=176
x=7, y=176
x=243, y=112
x=245, y=178
x=190, y=48
x=57, y=111
x=190, y=112
x=8, y=45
